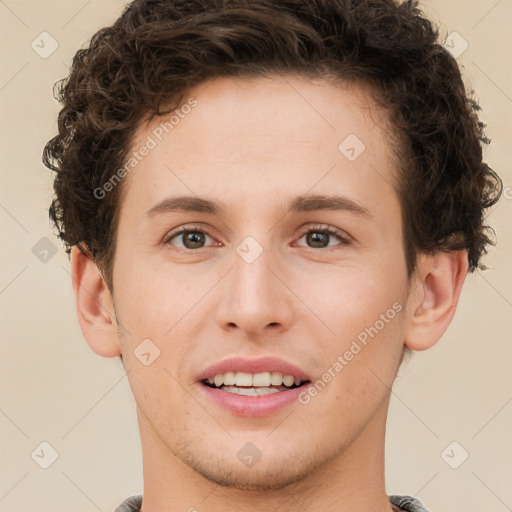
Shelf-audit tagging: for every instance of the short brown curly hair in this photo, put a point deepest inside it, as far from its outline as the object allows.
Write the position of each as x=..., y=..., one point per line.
x=145, y=62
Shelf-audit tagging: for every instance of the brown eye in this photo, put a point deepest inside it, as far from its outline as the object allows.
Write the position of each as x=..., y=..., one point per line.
x=320, y=238
x=193, y=239
x=189, y=239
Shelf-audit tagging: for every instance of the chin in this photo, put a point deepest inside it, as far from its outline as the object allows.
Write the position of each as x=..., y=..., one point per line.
x=272, y=472
x=263, y=479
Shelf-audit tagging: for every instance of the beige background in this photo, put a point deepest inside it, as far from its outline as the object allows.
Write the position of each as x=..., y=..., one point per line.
x=55, y=389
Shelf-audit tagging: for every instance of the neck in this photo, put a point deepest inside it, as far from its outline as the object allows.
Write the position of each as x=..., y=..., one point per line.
x=353, y=480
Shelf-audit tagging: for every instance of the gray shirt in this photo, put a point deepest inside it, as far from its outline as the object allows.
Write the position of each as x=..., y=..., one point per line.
x=405, y=503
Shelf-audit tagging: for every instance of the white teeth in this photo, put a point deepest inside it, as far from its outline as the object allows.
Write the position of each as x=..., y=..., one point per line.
x=247, y=391
x=243, y=379
x=261, y=379
x=229, y=378
x=251, y=391
x=288, y=380
x=267, y=391
x=249, y=380
x=276, y=378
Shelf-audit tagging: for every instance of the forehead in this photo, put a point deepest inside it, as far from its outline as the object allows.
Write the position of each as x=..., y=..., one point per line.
x=262, y=135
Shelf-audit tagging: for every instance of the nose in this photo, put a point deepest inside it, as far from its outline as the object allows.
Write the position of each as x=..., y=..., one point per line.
x=257, y=297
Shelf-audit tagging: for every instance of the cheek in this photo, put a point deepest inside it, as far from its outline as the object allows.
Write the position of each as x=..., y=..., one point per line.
x=156, y=309
x=349, y=300
x=360, y=356
x=164, y=304
x=155, y=296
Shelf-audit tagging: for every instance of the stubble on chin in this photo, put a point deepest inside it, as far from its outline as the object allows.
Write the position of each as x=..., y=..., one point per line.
x=277, y=472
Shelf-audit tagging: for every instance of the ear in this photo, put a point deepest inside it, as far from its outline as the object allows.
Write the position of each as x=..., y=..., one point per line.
x=434, y=297
x=94, y=305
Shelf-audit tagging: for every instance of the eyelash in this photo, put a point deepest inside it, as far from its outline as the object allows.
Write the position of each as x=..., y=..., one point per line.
x=320, y=228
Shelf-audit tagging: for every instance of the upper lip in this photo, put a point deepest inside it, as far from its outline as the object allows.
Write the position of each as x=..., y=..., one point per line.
x=263, y=364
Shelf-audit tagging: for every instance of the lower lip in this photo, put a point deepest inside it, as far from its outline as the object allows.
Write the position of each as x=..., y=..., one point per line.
x=253, y=406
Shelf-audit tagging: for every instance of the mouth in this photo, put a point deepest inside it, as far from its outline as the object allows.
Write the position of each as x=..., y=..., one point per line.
x=253, y=387
x=254, y=384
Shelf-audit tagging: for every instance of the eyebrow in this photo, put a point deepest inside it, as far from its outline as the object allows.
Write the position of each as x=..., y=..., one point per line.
x=304, y=203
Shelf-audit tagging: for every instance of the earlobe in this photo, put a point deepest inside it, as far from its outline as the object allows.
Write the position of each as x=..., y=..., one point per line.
x=434, y=299
x=94, y=305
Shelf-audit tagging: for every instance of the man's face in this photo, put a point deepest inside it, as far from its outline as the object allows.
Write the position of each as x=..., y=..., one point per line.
x=258, y=281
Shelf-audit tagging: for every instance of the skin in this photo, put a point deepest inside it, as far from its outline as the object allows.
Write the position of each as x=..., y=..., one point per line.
x=254, y=145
